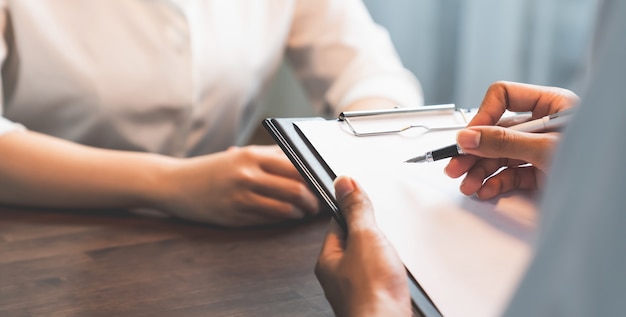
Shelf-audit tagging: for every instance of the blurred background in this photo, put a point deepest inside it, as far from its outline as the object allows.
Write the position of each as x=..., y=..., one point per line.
x=456, y=48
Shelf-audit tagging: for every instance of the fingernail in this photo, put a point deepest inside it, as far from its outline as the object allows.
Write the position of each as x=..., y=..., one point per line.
x=468, y=139
x=343, y=187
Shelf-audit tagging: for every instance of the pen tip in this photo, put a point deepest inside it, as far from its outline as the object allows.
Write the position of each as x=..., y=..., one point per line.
x=417, y=159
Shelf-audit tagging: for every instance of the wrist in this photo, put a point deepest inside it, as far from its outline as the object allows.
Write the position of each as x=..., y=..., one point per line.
x=156, y=187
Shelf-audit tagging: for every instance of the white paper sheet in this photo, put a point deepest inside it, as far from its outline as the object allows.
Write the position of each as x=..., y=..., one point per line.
x=467, y=254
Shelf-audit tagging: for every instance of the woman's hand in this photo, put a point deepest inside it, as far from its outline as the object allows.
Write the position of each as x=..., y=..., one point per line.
x=245, y=186
x=500, y=159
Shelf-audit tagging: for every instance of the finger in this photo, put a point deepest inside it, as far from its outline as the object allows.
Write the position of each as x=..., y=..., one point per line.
x=509, y=179
x=269, y=158
x=518, y=97
x=287, y=190
x=514, y=120
x=334, y=242
x=459, y=165
x=331, y=251
x=330, y=254
x=271, y=208
x=477, y=174
x=355, y=204
x=498, y=142
x=274, y=161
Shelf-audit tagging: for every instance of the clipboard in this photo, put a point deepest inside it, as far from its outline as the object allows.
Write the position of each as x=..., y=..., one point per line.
x=313, y=166
x=320, y=176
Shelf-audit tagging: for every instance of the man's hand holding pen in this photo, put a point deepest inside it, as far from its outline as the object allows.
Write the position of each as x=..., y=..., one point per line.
x=499, y=159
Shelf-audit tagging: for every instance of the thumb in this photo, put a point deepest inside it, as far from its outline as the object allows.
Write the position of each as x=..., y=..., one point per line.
x=499, y=142
x=355, y=204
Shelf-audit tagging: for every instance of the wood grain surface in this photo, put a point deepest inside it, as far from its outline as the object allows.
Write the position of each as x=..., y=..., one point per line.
x=112, y=263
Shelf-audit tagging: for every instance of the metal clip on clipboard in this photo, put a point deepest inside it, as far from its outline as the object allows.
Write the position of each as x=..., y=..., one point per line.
x=345, y=117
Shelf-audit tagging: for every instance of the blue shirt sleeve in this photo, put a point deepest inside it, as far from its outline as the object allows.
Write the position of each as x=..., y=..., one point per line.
x=579, y=265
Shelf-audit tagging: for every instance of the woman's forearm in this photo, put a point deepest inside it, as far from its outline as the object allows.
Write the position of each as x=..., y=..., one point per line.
x=43, y=171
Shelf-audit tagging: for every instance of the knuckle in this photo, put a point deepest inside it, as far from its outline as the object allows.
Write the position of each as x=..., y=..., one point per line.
x=355, y=204
x=246, y=152
x=506, y=140
x=497, y=139
x=369, y=233
x=244, y=176
x=497, y=85
x=499, y=183
x=568, y=97
x=499, y=88
x=480, y=172
x=357, y=212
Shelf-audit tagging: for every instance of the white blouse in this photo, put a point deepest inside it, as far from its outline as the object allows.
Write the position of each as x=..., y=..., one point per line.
x=183, y=77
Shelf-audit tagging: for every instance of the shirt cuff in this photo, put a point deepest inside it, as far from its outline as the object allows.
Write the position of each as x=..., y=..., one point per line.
x=361, y=81
x=7, y=126
x=403, y=90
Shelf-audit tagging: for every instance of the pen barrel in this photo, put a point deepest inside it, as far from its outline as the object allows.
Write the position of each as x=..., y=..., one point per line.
x=548, y=123
x=531, y=126
x=448, y=151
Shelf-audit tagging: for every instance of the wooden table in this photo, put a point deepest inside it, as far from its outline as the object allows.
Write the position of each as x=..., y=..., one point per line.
x=112, y=263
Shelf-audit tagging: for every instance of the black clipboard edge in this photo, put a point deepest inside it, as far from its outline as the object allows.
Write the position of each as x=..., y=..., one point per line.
x=320, y=178
x=421, y=303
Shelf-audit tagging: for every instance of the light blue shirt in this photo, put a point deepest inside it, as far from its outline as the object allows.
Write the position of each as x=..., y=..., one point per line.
x=579, y=268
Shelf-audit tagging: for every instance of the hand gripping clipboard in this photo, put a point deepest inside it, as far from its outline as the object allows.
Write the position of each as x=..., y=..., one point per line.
x=320, y=177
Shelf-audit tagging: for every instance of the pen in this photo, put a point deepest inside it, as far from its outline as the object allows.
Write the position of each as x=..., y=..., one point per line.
x=547, y=123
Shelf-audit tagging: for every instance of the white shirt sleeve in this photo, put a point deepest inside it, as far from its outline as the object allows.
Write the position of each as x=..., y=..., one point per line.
x=341, y=56
x=5, y=124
